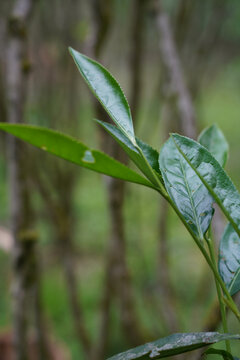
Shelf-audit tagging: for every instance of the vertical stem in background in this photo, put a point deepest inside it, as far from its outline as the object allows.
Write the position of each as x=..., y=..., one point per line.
x=73, y=295
x=219, y=293
x=102, y=16
x=16, y=85
x=136, y=56
x=43, y=351
x=172, y=66
x=117, y=281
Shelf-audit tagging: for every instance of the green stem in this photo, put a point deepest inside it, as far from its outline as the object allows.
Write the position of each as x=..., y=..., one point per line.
x=219, y=292
x=229, y=301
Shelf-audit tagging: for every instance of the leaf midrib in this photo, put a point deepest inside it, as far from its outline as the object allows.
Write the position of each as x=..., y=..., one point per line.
x=191, y=200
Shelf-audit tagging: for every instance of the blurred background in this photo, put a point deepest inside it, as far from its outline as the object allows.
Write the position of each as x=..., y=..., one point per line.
x=90, y=266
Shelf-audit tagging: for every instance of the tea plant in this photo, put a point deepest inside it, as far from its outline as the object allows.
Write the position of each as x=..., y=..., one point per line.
x=188, y=174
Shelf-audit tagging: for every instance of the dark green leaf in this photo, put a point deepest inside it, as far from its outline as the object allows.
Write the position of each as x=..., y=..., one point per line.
x=226, y=355
x=150, y=154
x=229, y=259
x=108, y=92
x=74, y=151
x=186, y=189
x=173, y=345
x=213, y=176
x=213, y=139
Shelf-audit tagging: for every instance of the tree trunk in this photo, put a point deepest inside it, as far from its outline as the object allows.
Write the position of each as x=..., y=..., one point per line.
x=172, y=67
x=17, y=69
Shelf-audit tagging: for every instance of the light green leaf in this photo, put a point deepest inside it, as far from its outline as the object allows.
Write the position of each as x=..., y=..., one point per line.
x=213, y=176
x=107, y=90
x=173, y=345
x=150, y=154
x=74, y=151
x=186, y=189
x=213, y=139
x=229, y=259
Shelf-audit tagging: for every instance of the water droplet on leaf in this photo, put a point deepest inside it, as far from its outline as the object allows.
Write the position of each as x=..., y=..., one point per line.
x=88, y=157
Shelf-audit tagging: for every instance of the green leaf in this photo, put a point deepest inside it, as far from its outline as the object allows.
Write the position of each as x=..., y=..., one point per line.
x=186, y=189
x=150, y=154
x=213, y=176
x=226, y=355
x=229, y=259
x=173, y=345
x=213, y=139
x=74, y=151
x=107, y=90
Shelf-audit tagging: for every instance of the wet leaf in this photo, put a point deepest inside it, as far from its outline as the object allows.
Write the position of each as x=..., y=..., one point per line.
x=229, y=259
x=213, y=176
x=107, y=91
x=213, y=139
x=186, y=189
x=173, y=345
x=74, y=151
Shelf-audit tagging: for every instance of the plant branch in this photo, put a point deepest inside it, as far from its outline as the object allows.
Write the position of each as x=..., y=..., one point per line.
x=219, y=293
x=228, y=300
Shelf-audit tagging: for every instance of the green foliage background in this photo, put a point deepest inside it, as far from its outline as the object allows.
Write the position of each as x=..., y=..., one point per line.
x=217, y=102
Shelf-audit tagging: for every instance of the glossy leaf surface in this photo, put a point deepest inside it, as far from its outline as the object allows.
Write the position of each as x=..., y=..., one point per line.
x=229, y=259
x=150, y=154
x=107, y=90
x=173, y=345
x=186, y=189
x=213, y=176
x=74, y=151
x=213, y=139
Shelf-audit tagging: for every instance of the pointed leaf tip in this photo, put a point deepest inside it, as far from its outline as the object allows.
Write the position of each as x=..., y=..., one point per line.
x=107, y=90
